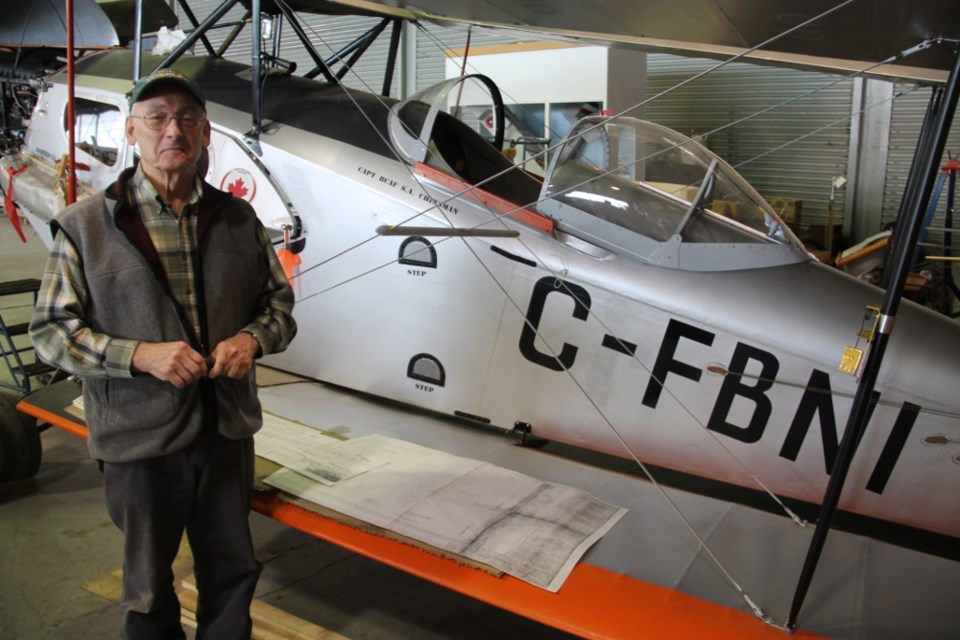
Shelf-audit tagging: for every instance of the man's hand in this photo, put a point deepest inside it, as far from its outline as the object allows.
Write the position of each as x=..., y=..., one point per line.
x=175, y=362
x=234, y=356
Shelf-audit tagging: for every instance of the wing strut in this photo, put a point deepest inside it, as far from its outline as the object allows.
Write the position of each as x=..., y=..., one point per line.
x=392, y=56
x=256, y=66
x=187, y=11
x=71, y=115
x=321, y=66
x=923, y=174
x=914, y=178
x=358, y=47
x=137, y=39
x=237, y=27
x=197, y=33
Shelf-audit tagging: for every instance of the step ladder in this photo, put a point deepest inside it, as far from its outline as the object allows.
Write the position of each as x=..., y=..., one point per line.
x=14, y=342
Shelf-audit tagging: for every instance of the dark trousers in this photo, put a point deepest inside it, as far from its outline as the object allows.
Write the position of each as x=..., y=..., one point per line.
x=204, y=490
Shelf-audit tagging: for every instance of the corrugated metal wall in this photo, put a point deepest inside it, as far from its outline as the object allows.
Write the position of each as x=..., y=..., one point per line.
x=715, y=105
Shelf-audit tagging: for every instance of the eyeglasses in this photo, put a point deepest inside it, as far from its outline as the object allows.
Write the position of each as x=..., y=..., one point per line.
x=187, y=122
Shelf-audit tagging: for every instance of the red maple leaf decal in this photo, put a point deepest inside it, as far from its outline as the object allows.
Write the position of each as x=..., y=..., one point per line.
x=237, y=188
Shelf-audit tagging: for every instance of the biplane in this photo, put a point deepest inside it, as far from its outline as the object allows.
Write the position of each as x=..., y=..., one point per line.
x=638, y=302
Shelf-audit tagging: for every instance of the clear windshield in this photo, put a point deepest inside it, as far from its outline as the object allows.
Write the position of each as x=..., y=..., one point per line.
x=657, y=183
x=428, y=126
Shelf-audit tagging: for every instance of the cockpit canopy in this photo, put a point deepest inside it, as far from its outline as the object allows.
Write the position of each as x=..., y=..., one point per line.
x=665, y=190
x=655, y=182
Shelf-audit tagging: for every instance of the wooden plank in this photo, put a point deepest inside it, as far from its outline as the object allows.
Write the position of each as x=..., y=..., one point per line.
x=269, y=622
x=109, y=587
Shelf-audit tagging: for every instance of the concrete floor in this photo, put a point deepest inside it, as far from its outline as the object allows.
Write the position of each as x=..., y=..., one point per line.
x=59, y=538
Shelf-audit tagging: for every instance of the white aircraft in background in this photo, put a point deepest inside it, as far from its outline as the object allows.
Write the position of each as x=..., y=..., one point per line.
x=642, y=300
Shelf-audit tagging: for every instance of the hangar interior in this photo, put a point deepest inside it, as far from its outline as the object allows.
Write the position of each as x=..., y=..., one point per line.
x=831, y=155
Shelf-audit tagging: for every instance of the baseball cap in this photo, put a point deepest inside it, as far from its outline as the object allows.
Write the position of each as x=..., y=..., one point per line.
x=170, y=77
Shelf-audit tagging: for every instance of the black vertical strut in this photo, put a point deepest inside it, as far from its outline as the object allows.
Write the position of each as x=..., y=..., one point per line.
x=911, y=211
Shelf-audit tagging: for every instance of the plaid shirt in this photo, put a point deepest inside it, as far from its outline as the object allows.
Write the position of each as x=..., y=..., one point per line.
x=60, y=331
x=175, y=238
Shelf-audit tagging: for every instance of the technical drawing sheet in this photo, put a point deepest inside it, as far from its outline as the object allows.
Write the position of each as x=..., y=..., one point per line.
x=533, y=530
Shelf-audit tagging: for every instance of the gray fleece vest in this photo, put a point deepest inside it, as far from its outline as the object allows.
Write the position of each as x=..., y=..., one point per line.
x=142, y=417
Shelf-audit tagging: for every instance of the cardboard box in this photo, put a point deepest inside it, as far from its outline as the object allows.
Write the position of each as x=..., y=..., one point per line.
x=789, y=209
x=728, y=208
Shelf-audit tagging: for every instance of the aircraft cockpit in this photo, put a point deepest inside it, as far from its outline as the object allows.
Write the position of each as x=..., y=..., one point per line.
x=456, y=127
x=626, y=185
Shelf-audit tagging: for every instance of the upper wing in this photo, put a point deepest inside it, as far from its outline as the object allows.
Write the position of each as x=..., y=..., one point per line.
x=830, y=35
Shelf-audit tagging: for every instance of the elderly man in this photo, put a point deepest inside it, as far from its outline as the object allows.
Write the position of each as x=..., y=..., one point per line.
x=159, y=293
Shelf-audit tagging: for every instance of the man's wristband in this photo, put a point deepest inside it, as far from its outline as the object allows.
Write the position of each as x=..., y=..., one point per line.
x=257, y=340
